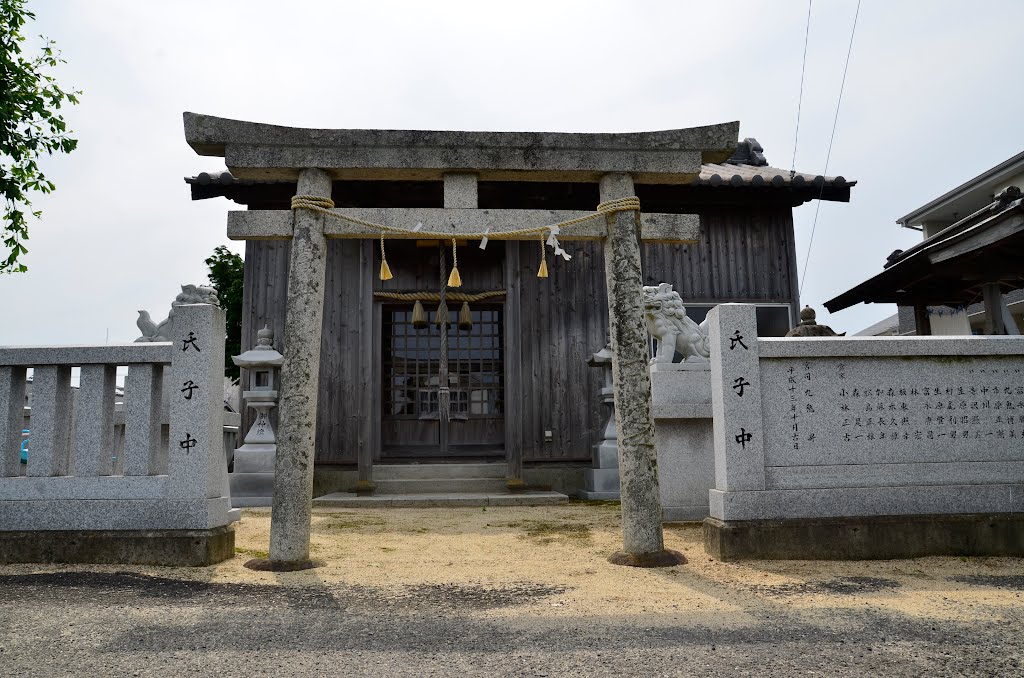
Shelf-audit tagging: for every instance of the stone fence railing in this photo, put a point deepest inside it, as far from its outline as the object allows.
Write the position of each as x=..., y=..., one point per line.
x=77, y=478
x=76, y=434
x=232, y=422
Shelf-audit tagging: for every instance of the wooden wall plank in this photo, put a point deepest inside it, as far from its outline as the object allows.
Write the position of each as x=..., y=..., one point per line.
x=345, y=352
x=513, y=363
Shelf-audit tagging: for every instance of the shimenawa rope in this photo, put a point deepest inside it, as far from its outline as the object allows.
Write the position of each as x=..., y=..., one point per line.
x=326, y=205
x=434, y=296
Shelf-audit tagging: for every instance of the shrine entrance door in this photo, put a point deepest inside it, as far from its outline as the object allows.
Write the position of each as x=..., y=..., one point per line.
x=411, y=424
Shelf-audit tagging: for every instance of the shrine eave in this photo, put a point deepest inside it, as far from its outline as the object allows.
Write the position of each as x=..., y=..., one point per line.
x=262, y=151
x=951, y=267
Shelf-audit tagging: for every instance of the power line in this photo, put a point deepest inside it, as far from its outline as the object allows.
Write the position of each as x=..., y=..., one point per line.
x=828, y=155
x=800, y=98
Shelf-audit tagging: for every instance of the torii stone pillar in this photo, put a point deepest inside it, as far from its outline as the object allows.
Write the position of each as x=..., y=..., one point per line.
x=300, y=384
x=642, y=538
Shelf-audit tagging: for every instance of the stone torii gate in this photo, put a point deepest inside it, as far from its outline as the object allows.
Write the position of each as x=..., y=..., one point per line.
x=315, y=157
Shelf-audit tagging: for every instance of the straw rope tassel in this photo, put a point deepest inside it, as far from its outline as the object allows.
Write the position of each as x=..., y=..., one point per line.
x=455, y=280
x=385, y=270
x=419, y=316
x=543, y=271
x=465, y=317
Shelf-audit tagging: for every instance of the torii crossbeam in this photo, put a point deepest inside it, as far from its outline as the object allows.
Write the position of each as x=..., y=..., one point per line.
x=316, y=157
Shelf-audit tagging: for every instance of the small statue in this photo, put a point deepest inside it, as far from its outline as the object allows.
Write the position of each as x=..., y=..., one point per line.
x=808, y=327
x=190, y=294
x=676, y=333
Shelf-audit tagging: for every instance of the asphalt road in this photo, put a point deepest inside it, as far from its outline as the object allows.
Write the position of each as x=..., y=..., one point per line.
x=100, y=624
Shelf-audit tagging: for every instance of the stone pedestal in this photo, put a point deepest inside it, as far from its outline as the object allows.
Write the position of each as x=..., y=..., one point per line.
x=681, y=395
x=602, y=481
x=252, y=480
x=681, y=402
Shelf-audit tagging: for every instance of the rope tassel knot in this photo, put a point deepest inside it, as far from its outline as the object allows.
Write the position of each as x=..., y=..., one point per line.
x=385, y=270
x=454, y=279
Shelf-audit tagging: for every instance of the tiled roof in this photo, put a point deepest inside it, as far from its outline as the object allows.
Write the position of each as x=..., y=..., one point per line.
x=751, y=175
x=710, y=175
x=225, y=178
x=746, y=169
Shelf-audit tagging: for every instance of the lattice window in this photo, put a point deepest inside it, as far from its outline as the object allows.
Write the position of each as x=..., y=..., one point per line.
x=411, y=363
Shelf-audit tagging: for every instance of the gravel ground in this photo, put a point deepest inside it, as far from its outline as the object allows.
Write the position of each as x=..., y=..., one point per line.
x=510, y=591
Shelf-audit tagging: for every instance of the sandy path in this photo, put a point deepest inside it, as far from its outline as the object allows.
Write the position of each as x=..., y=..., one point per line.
x=551, y=560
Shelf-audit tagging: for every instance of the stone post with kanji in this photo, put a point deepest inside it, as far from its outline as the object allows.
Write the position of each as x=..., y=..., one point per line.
x=196, y=464
x=736, y=398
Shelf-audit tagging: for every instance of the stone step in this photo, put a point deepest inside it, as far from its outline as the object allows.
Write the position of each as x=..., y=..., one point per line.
x=437, y=485
x=432, y=500
x=432, y=471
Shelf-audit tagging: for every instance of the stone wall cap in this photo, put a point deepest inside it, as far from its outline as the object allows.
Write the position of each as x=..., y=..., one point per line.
x=109, y=354
x=891, y=347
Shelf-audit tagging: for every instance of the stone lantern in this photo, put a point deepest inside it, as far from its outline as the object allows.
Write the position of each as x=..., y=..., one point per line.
x=602, y=480
x=252, y=481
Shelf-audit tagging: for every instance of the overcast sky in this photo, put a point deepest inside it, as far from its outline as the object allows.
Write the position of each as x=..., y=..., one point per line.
x=931, y=100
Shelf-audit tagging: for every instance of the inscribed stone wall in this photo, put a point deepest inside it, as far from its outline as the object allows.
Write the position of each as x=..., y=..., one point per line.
x=830, y=421
x=864, y=426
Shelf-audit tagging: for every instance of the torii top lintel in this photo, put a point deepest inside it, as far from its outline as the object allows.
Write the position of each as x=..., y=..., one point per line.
x=261, y=151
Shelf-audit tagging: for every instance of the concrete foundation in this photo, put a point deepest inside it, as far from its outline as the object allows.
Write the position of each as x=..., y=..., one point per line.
x=866, y=538
x=189, y=548
x=328, y=479
x=564, y=478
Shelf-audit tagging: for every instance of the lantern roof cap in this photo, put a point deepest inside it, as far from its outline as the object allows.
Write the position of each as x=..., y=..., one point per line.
x=262, y=354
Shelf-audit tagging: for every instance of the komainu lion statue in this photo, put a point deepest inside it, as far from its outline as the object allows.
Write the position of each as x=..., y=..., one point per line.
x=190, y=294
x=676, y=333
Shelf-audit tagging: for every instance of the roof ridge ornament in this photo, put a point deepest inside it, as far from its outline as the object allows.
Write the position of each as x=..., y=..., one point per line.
x=749, y=152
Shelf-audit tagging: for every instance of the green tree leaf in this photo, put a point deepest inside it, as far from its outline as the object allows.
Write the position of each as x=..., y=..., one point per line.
x=29, y=127
x=227, y=275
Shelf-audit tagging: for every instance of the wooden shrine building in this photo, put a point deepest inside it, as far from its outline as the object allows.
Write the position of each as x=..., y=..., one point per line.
x=716, y=222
